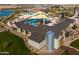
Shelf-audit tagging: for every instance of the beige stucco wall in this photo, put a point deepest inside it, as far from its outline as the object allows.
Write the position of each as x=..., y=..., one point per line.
x=24, y=33
x=56, y=43
x=71, y=25
x=35, y=44
x=18, y=30
x=43, y=43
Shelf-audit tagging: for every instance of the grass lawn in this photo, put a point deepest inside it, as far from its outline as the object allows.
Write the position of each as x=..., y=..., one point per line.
x=75, y=44
x=13, y=44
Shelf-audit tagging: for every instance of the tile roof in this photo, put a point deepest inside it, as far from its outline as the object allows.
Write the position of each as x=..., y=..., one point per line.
x=39, y=32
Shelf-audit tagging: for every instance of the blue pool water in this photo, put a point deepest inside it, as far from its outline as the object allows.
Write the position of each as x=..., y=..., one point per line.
x=6, y=12
x=33, y=22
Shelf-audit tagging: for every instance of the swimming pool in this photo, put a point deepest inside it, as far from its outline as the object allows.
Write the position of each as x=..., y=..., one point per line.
x=6, y=12
x=33, y=22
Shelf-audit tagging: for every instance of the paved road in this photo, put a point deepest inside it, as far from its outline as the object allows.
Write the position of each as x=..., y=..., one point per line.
x=59, y=51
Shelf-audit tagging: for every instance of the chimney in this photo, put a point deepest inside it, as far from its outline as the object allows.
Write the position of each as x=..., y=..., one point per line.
x=61, y=16
x=44, y=21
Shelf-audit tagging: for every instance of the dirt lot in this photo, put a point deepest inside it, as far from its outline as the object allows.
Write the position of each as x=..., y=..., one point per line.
x=7, y=6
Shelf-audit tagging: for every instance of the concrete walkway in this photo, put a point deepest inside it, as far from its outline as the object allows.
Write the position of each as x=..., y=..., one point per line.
x=74, y=48
x=69, y=41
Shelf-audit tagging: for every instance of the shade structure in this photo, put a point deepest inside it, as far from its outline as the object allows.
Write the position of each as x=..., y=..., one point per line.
x=39, y=16
x=39, y=12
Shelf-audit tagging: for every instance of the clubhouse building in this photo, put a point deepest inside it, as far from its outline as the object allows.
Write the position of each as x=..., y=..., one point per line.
x=43, y=30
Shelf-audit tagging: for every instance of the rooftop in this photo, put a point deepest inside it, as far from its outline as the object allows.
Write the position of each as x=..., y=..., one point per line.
x=39, y=32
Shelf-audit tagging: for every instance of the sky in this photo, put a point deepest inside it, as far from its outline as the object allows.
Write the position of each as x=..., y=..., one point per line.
x=39, y=1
